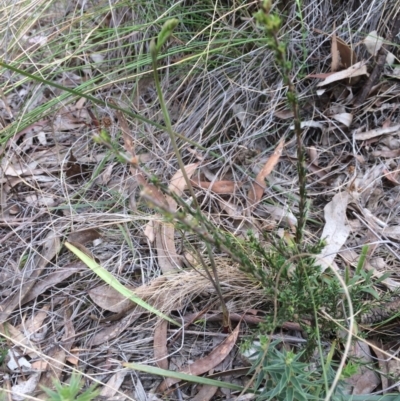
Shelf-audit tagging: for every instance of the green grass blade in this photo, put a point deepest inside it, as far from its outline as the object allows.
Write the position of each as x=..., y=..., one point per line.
x=361, y=260
x=183, y=376
x=385, y=397
x=108, y=278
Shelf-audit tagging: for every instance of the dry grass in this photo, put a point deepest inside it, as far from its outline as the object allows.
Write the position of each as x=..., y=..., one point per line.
x=224, y=93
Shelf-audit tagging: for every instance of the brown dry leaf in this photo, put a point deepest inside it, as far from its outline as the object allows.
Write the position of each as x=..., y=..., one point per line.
x=75, y=170
x=347, y=55
x=55, y=368
x=35, y=265
x=336, y=229
x=334, y=53
x=284, y=114
x=362, y=136
x=313, y=154
x=321, y=172
x=167, y=256
x=80, y=103
x=351, y=72
x=218, y=187
x=39, y=365
x=73, y=359
x=160, y=344
x=216, y=356
x=53, y=279
x=392, y=176
x=386, y=153
x=205, y=393
x=256, y=192
x=114, y=330
x=149, y=191
x=80, y=238
x=383, y=364
x=83, y=249
x=178, y=184
x=110, y=299
x=365, y=380
x=114, y=383
x=149, y=231
x=84, y=236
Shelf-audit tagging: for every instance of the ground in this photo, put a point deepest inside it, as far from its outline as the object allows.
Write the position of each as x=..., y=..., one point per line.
x=187, y=216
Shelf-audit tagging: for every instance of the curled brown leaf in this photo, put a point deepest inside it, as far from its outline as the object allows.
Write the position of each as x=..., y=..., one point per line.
x=202, y=365
x=218, y=187
x=257, y=190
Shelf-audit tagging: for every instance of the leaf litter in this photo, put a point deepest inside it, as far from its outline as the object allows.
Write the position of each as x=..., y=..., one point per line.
x=205, y=364
x=227, y=111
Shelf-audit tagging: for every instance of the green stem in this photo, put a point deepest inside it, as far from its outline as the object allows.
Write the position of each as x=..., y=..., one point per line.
x=168, y=126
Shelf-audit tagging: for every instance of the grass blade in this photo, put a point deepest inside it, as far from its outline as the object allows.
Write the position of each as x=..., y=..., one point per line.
x=108, y=278
x=182, y=376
